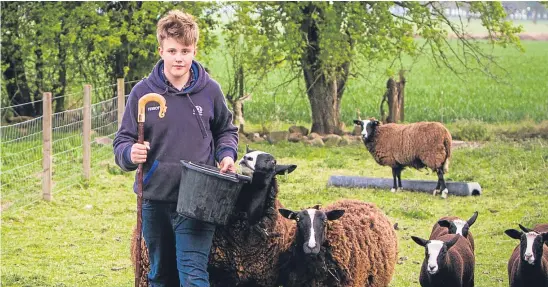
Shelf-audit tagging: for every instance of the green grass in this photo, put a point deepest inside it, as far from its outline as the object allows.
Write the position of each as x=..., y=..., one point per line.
x=432, y=93
x=82, y=237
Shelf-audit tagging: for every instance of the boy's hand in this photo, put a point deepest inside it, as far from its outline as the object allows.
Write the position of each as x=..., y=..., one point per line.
x=227, y=164
x=139, y=152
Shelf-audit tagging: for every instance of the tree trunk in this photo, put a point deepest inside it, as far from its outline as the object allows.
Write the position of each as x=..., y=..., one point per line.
x=236, y=97
x=393, y=102
x=17, y=86
x=62, y=83
x=39, y=68
x=324, y=102
x=324, y=88
x=395, y=98
x=401, y=90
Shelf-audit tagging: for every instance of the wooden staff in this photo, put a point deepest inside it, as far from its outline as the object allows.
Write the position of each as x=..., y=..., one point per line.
x=151, y=97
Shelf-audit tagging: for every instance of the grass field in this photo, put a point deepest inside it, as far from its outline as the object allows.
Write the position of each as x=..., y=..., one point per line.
x=82, y=237
x=432, y=93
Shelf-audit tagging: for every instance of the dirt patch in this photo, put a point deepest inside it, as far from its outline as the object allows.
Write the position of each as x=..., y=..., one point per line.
x=5, y=205
x=462, y=144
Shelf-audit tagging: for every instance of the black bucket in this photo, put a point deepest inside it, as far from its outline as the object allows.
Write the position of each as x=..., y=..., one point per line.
x=206, y=194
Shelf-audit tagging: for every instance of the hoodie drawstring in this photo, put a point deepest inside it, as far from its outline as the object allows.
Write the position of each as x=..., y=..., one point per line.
x=198, y=117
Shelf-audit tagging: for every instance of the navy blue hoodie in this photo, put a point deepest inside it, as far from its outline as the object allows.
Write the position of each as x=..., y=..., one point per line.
x=197, y=127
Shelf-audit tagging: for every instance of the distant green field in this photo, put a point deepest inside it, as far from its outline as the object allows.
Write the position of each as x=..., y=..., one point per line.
x=431, y=93
x=474, y=26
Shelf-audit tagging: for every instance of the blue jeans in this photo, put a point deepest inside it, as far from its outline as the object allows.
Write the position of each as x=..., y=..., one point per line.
x=178, y=246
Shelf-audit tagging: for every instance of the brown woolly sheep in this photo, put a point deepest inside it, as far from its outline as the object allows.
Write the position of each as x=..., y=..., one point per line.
x=540, y=228
x=144, y=257
x=449, y=262
x=357, y=249
x=528, y=264
x=243, y=253
x=417, y=145
x=454, y=225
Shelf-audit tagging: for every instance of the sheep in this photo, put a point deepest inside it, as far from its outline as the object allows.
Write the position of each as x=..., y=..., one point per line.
x=528, y=264
x=454, y=225
x=449, y=262
x=417, y=145
x=357, y=249
x=239, y=255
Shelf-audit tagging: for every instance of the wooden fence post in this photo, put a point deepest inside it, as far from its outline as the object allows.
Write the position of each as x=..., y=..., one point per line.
x=121, y=100
x=86, y=133
x=47, y=144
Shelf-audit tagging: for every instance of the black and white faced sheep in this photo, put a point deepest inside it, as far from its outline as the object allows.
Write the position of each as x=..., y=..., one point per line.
x=454, y=225
x=245, y=254
x=417, y=145
x=247, y=251
x=358, y=248
x=528, y=264
x=448, y=262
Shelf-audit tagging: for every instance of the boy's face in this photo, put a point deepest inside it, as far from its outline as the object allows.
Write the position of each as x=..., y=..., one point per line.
x=177, y=59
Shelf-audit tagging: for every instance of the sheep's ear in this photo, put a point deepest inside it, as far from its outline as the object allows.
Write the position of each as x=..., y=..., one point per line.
x=247, y=149
x=287, y=213
x=513, y=233
x=358, y=122
x=334, y=214
x=444, y=223
x=525, y=229
x=545, y=237
x=419, y=241
x=282, y=169
x=472, y=219
x=452, y=242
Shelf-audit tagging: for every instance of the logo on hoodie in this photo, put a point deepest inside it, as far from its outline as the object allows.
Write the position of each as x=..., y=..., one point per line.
x=150, y=109
x=199, y=109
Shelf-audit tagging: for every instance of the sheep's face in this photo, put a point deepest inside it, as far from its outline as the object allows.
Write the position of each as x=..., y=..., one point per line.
x=435, y=252
x=368, y=128
x=531, y=244
x=311, y=227
x=264, y=162
x=249, y=161
x=459, y=226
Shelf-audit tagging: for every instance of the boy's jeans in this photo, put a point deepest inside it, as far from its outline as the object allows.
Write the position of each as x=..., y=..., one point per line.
x=178, y=246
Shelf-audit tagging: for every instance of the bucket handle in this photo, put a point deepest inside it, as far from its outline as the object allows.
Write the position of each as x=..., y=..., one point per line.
x=242, y=178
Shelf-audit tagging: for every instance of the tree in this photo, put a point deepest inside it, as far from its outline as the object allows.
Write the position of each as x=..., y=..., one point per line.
x=53, y=46
x=133, y=27
x=323, y=40
x=248, y=56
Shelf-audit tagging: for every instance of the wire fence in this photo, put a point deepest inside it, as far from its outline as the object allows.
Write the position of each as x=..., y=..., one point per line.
x=22, y=148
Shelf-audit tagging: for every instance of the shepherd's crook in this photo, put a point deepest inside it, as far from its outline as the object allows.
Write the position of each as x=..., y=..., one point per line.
x=151, y=97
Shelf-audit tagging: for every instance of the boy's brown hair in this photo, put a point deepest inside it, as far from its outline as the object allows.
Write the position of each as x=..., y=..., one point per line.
x=178, y=25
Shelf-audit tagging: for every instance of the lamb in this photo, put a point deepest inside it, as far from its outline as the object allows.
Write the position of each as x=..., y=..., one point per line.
x=528, y=264
x=454, y=225
x=449, y=262
x=357, y=249
x=244, y=252
x=417, y=145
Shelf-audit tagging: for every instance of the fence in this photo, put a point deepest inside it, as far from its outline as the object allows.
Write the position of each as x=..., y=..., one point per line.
x=46, y=155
